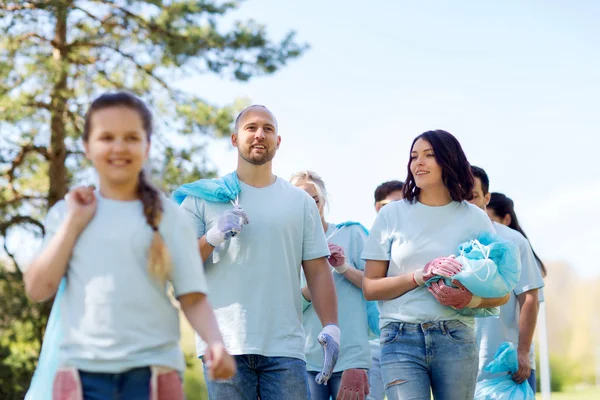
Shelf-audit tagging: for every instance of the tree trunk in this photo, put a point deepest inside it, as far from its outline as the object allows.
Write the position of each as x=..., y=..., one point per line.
x=58, y=152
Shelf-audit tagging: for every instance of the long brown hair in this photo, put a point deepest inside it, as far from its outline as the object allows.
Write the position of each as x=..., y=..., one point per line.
x=456, y=170
x=159, y=260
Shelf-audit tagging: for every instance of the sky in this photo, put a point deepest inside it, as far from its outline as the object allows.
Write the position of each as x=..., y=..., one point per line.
x=516, y=82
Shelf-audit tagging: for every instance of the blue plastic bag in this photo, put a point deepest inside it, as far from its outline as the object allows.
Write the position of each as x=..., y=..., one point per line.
x=505, y=362
x=222, y=190
x=373, y=317
x=491, y=266
x=40, y=387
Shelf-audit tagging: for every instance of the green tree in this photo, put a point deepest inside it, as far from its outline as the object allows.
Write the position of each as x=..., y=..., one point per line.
x=55, y=57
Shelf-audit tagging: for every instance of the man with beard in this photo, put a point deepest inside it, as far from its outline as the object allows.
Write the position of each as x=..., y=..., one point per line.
x=253, y=252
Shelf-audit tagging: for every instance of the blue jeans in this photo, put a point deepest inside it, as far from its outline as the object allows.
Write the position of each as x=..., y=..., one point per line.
x=270, y=378
x=438, y=356
x=324, y=392
x=532, y=381
x=131, y=385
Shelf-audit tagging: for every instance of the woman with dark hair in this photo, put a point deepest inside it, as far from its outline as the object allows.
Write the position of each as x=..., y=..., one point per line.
x=502, y=210
x=427, y=344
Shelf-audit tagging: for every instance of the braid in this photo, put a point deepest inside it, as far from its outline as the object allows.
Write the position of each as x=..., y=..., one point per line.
x=159, y=261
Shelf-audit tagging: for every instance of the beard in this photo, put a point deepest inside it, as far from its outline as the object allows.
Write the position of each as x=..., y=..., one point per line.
x=257, y=159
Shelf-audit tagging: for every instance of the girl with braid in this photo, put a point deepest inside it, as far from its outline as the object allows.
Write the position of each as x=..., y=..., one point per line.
x=118, y=247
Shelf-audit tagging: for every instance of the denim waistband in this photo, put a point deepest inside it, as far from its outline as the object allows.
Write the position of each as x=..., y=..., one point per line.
x=442, y=326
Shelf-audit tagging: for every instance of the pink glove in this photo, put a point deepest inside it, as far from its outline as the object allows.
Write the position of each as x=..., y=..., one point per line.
x=337, y=257
x=454, y=297
x=354, y=385
x=441, y=266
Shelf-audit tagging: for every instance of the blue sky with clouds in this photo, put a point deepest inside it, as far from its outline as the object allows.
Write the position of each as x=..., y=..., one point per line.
x=516, y=82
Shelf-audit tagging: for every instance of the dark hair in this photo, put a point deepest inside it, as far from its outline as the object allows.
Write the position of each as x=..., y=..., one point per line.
x=159, y=262
x=456, y=171
x=502, y=205
x=485, y=181
x=386, y=188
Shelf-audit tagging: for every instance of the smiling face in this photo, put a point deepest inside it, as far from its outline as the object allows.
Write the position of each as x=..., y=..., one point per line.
x=256, y=138
x=423, y=165
x=117, y=145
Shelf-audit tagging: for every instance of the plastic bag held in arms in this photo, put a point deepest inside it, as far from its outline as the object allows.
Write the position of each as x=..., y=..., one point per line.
x=329, y=339
x=505, y=362
x=491, y=266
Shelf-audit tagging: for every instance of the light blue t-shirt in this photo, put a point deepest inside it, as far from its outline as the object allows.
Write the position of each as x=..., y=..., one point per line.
x=411, y=235
x=352, y=311
x=115, y=316
x=491, y=332
x=255, y=276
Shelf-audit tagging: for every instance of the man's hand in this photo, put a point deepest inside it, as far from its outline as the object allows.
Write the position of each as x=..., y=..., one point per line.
x=524, y=370
x=329, y=339
x=229, y=225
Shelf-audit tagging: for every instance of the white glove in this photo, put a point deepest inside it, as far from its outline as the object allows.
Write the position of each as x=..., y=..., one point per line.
x=329, y=339
x=342, y=268
x=229, y=225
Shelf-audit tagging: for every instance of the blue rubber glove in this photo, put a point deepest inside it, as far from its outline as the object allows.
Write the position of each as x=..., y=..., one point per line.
x=329, y=339
x=229, y=225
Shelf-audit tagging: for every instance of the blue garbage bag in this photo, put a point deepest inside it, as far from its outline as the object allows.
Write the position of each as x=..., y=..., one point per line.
x=373, y=317
x=221, y=190
x=40, y=387
x=505, y=362
x=491, y=266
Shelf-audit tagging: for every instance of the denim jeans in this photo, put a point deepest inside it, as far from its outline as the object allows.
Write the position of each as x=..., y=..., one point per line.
x=131, y=385
x=270, y=378
x=134, y=384
x=532, y=381
x=324, y=392
x=438, y=356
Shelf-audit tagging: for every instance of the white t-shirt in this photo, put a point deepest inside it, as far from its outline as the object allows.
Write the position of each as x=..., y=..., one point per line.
x=255, y=276
x=411, y=235
x=115, y=316
x=491, y=332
